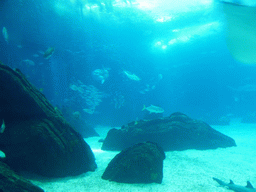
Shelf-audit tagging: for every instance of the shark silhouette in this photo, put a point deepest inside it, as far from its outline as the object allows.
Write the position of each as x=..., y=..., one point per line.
x=236, y=188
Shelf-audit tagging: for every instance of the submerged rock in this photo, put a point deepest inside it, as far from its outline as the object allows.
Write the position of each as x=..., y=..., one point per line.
x=176, y=132
x=141, y=163
x=10, y=181
x=37, y=138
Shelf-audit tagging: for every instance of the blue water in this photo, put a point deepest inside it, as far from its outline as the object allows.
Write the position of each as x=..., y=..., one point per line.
x=178, y=51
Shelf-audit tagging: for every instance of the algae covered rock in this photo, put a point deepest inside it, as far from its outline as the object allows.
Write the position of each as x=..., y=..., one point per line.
x=11, y=182
x=141, y=163
x=176, y=132
x=37, y=138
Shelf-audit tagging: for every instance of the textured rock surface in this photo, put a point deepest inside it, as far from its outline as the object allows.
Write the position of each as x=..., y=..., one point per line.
x=11, y=182
x=37, y=138
x=141, y=163
x=176, y=132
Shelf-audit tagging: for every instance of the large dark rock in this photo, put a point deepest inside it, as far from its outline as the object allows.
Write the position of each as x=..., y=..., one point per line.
x=11, y=182
x=37, y=138
x=177, y=132
x=141, y=163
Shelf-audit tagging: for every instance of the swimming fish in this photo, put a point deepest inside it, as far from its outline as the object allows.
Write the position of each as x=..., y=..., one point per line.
x=2, y=127
x=5, y=34
x=89, y=111
x=153, y=109
x=28, y=62
x=131, y=76
x=35, y=55
x=101, y=74
x=236, y=188
x=241, y=30
x=48, y=53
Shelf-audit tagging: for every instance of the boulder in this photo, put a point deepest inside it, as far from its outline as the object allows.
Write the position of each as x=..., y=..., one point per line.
x=141, y=163
x=176, y=132
x=11, y=182
x=37, y=138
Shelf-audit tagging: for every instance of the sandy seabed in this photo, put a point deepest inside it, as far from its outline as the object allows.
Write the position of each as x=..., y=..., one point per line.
x=189, y=170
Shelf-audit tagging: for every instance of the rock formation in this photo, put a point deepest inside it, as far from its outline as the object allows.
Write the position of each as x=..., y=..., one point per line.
x=37, y=138
x=10, y=181
x=141, y=163
x=176, y=132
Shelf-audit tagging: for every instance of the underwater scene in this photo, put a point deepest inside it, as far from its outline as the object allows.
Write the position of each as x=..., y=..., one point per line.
x=127, y=95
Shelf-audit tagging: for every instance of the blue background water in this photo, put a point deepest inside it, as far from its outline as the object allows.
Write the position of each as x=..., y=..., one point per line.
x=176, y=48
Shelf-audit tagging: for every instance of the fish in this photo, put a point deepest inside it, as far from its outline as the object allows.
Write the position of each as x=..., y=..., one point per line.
x=131, y=76
x=241, y=30
x=153, y=109
x=73, y=87
x=101, y=74
x=5, y=34
x=2, y=127
x=76, y=115
x=35, y=55
x=236, y=188
x=28, y=62
x=89, y=111
x=48, y=53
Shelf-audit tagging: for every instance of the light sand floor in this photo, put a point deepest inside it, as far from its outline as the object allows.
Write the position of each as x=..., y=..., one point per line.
x=189, y=170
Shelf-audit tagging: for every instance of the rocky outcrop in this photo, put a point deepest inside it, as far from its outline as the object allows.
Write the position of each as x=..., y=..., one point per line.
x=141, y=163
x=11, y=182
x=176, y=132
x=37, y=138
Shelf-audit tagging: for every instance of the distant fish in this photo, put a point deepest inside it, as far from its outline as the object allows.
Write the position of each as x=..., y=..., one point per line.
x=90, y=111
x=48, y=53
x=35, y=55
x=153, y=109
x=160, y=77
x=28, y=62
x=73, y=87
x=5, y=34
x=2, y=127
x=131, y=76
x=41, y=52
x=101, y=74
x=76, y=115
